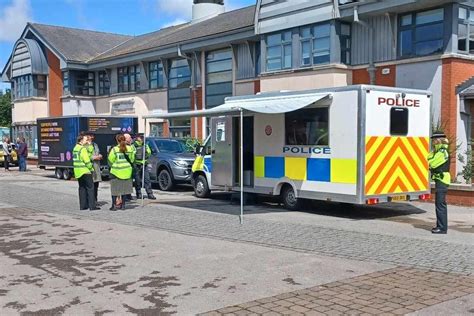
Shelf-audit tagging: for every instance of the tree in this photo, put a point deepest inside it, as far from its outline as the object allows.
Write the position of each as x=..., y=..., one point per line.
x=5, y=108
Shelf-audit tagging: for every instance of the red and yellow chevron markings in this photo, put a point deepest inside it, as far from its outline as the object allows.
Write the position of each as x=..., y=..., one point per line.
x=396, y=165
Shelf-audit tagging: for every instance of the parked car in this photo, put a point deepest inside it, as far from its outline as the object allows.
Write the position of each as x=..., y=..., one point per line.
x=170, y=162
x=14, y=160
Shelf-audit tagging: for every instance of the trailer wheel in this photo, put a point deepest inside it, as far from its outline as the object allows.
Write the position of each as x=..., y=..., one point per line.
x=201, y=187
x=165, y=180
x=289, y=198
x=58, y=173
x=67, y=174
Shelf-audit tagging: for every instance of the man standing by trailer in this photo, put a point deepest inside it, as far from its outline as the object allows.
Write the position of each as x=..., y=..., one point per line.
x=438, y=161
x=142, y=153
x=83, y=170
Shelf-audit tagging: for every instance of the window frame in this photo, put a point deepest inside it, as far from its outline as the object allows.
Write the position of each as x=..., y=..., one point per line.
x=469, y=23
x=159, y=75
x=103, y=82
x=225, y=61
x=412, y=27
x=303, y=110
x=128, y=78
x=65, y=76
x=281, y=45
x=87, y=88
x=312, y=39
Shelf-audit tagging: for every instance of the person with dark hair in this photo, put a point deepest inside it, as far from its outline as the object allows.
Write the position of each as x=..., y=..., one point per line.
x=438, y=161
x=22, y=151
x=121, y=158
x=83, y=173
x=141, y=172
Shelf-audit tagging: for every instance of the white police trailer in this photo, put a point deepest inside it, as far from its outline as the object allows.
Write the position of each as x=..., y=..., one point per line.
x=356, y=144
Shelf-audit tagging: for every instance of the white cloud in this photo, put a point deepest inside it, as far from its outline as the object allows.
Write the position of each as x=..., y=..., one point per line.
x=13, y=19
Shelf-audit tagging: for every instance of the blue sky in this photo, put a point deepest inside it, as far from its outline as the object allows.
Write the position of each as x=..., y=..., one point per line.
x=131, y=17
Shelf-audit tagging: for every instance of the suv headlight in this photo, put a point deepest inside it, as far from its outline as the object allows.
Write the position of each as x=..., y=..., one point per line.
x=180, y=163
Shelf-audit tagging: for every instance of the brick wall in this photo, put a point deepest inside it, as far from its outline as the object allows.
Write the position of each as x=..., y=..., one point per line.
x=455, y=71
x=55, y=85
x=199, y=120
x=257, y=86
x=361, y=76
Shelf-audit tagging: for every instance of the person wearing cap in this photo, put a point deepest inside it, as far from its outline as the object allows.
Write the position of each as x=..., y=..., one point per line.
x=438, y=161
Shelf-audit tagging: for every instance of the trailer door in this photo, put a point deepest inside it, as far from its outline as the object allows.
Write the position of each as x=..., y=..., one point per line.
x=222, y=154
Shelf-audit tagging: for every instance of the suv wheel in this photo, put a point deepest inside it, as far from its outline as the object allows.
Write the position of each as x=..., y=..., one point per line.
x=165, y=180
x=201, y=188
x=67, y=174
x=289, y=198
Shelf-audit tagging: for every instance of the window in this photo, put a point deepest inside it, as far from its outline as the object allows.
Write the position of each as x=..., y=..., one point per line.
x=307, y=127
x=398, y=121
x=23, y=87
x=40, y=85
x=128, y=78
x=315, y=44
x=279, y=49
x=180, y=74
x=421, y=33
x=65, y=82
x=104, y=83
x=157, y=129
x=218, y=77
x=345, y=39
x=84, y=83
x=156, y=75
x=466, y=30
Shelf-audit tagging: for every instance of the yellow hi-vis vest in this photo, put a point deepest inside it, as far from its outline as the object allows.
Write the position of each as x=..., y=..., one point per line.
x=119, y=166
x=81, y=161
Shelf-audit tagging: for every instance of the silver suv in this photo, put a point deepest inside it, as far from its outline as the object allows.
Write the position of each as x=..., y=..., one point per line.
x=170, y=162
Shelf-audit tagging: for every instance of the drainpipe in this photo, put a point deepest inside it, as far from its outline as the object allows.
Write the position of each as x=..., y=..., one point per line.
x=372, y=68
x=180, y=54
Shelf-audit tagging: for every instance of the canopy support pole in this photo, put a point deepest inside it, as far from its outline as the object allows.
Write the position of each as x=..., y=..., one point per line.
x=143, y=166
x=241, y=166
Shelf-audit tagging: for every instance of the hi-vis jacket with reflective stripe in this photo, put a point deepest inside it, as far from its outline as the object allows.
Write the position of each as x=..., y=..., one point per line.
x=119, y=165
x=81, y=161
x=438, y=161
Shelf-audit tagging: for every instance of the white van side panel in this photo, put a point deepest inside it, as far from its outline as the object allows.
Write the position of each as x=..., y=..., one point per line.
x=310, y=169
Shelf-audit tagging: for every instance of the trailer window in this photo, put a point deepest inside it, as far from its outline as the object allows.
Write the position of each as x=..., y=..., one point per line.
x=398, y=121
x=307, y=127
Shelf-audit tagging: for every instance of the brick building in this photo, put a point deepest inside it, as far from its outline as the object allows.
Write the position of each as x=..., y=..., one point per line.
x=274, y=45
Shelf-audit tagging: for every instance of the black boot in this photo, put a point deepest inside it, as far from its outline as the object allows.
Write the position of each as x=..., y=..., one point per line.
x=114, y=200
x=150, y=195
x=139, y=194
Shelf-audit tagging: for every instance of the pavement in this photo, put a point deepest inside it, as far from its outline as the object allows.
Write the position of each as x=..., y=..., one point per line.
x=183, y=255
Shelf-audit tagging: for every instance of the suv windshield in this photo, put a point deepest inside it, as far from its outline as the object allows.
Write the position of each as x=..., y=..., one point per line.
x=171, y=146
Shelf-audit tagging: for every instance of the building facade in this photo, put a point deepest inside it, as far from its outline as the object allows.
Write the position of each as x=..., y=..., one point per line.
x=274, y=45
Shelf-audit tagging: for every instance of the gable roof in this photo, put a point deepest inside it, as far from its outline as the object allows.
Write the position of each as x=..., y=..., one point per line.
x=222, y=23
x=75, y=44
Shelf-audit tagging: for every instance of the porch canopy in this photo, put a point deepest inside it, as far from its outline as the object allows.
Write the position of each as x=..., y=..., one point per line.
x=268, y=103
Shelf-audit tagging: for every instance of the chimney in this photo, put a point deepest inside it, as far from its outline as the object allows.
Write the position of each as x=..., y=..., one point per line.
x=205, y=9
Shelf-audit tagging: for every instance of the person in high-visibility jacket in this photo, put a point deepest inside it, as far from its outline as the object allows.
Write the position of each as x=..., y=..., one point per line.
x=438, y=161
x=141, y=172
x=83, y=173
x=121, y=158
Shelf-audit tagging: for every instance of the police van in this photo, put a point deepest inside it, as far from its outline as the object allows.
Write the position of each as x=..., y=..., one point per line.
x=356, y=144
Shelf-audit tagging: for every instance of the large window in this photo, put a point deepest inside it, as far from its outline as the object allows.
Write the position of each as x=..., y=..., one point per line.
x=218, y=77
x=84, y=83
x=180, y=74
x=466, y=30
x=307, y=127
x=315, y=44
x=23, y=87
x=156, y=74
x=421, y=33
x=40, y=85
x=279, y=49
x=104, y=83
x=128, y=78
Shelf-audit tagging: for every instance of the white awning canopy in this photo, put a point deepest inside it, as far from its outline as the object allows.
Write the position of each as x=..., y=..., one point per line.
x=273, y=103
